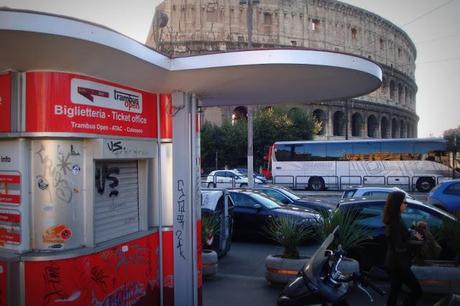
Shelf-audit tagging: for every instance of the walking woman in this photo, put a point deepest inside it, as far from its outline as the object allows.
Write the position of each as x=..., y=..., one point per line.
x=398, y=257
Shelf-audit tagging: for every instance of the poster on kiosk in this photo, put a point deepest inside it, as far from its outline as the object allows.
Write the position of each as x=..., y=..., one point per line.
x=77, y=196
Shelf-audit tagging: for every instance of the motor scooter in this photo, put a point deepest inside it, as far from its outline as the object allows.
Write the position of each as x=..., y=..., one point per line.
x=320, y=281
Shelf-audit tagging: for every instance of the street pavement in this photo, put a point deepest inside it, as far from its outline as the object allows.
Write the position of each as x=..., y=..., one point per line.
x=241, y=279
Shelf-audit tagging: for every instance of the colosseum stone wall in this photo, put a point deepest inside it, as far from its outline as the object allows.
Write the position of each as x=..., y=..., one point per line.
x=202, y=26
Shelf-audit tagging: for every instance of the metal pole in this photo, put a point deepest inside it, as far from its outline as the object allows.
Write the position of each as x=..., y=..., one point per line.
x=195, y=188
x=160, y=197
x=250, y=148
x=250, y=108
x=346, y=119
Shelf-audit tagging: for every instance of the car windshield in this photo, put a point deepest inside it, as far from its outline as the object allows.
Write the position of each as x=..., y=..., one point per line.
x=268, y=203
x=289, y=193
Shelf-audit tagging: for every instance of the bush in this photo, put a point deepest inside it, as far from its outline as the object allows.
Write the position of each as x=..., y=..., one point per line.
x=351, y=234
x=209, y=228
x=289, y=233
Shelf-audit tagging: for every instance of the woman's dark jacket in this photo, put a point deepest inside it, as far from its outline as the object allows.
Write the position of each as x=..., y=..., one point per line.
x=398, y=245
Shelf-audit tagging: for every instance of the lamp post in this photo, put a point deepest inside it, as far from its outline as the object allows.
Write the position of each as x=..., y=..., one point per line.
x=250, y=4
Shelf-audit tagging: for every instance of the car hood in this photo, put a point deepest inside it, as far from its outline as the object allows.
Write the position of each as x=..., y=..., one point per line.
x=316, y=203
x=293, y=210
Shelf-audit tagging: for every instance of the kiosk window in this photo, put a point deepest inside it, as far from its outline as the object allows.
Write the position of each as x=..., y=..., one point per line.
x=116, y=200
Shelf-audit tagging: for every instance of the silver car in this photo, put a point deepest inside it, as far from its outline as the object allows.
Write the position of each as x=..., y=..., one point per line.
x=372, y=192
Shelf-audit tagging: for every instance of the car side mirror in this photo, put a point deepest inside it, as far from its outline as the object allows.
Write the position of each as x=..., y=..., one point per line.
x=258, y=207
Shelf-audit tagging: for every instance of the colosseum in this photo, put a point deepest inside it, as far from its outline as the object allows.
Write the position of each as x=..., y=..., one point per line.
x=189, y=27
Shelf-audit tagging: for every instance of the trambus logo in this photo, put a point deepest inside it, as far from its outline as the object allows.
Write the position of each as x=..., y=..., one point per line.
x=105, y=96
x=130, y=101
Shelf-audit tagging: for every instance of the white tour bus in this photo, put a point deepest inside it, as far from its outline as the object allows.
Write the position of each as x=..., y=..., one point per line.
x=412, y=164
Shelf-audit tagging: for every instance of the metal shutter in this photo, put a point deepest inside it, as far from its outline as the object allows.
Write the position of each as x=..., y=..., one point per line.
x=116, y=200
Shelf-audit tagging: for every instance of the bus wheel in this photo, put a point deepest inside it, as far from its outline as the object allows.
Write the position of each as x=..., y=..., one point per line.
x=425, y=184
x=316, y=183
x=243, y=185
x=211, y=185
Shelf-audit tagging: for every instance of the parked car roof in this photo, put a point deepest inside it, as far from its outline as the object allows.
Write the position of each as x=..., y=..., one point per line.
x=352, y=201
x=360, y=191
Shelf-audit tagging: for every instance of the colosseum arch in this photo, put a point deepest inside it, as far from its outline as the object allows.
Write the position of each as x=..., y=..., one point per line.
x=320, y=116
x=403, y=129
x=372, y=126
x=239, y=113
x=400, y=94
x=395, y=132
x=357, y=125
x=339, y=123
x=384, y=128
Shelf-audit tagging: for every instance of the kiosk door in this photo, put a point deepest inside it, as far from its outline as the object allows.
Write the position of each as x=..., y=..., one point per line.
x=116, y=200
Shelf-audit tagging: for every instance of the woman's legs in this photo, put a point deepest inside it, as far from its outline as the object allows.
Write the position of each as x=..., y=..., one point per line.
x=409, y=279
x=406, y=277
x=395, y=282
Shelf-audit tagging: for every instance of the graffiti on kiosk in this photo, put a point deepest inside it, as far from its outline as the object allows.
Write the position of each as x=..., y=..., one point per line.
x=54, y=289
x=137, y=255
x=180, y=217
x=57, y=234
x=99, y=277
x=128, y=294
x=104, y=173
x=117, y=147
x=57, y=171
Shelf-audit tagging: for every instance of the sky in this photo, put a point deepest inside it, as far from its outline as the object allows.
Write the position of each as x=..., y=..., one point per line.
x=433, y=25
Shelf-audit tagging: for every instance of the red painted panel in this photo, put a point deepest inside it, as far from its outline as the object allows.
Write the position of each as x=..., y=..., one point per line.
x=168, y=268
x=166, y=111
x=126, y=274
x=65, y=102
x=5, y=102
x=200, y=263
x=3, y=284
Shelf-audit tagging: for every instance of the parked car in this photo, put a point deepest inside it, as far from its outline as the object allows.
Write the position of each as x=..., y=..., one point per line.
x=369, y=213
x=244, y=171
x=446, y=195
x=253, y=209
x=286, y=196
x=372, y=192
x=219, y=204
x=228, y=179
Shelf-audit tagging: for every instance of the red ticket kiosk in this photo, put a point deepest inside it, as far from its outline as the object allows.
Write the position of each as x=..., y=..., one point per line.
x=76, y=191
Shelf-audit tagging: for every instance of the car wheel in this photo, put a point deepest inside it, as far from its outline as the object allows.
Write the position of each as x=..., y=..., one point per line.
x=243, y=185
x=316, y=183
x=211, y=185
x=425, y=184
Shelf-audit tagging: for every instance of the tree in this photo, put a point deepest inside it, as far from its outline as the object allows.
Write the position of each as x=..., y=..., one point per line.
x=453, y=138
x=271, y=124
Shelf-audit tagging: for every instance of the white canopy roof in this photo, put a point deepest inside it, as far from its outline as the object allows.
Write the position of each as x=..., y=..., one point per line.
x=36, y=41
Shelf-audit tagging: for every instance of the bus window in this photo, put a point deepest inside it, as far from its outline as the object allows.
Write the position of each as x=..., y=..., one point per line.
x=310, y=152
x=338, y=151
x=364, y=151
x=284, y=152
x=397, y=150
x=397, y=147
x=432, y=151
